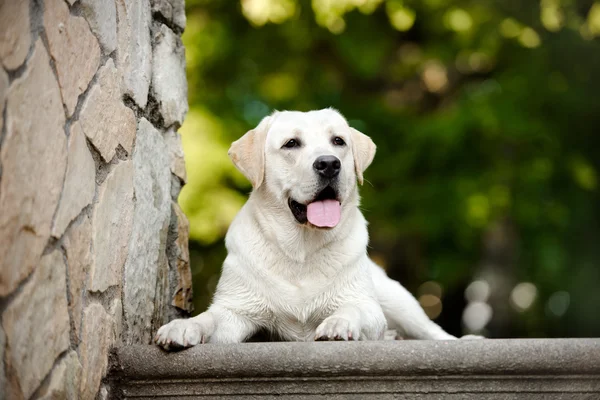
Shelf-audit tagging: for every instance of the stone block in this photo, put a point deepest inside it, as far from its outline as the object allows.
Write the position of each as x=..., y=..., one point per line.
x=3, y=91
x=171, y=10
x=15, y=35
x=173, y=139
x=147, y=248
x=179, y=13
x=73, y=47
x=36, y=323
x=33, y=158
x=134, y=52
x=3, y=383
x=80, y=181
x=180, y=263
x=105, y=120
x=116, y=313
x=77, y=243
x=102, y=17
x=168, y=76
x=65, y=378
x=112, y=224
x=96, y=338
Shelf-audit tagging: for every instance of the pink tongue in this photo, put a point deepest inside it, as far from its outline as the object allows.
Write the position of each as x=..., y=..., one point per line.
x=324, y=213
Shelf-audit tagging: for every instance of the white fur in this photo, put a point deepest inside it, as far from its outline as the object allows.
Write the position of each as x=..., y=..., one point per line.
x=296, y=281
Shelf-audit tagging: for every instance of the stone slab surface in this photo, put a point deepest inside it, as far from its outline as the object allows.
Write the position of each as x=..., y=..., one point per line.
x=102, y=17
x=96, y=338
x=64, y=381
x=112, y=222
x=77, y=243
x=104, y=104
x=15, y=35
x=80, y=186
x=34, y=160
x=146, y=260
x=168, y=76
x=36, y=323
x=3, y=90
x=134, y=51
x=479, y=369
x=73, y=47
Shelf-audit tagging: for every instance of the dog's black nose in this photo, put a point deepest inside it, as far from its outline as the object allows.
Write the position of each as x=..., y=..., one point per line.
x=327, y=166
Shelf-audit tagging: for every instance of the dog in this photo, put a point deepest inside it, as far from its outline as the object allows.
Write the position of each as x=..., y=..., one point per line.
x=297, y=264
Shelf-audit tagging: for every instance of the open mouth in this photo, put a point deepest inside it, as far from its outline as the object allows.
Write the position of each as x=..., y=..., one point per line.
x=323, y=212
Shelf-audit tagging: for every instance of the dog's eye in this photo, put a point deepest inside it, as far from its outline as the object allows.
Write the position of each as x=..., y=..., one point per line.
x=291, y=143
x=338, y=141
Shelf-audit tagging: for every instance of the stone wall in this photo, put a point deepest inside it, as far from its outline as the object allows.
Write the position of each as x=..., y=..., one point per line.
x=93, y=246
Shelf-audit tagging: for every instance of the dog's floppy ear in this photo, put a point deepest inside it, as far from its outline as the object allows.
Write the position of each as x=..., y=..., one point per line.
x=248, y=153
x=363, y=150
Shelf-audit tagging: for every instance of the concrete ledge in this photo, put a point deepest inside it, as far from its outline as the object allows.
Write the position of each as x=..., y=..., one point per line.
x=478, y=369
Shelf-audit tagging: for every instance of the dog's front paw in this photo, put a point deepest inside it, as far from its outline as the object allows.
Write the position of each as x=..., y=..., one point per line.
x=179, y=334
x=337, y=328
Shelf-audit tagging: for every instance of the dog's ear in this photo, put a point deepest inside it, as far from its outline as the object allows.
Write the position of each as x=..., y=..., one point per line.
x=248, y=153
x=363, y=150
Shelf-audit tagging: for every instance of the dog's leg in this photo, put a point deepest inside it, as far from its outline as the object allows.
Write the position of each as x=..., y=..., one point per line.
x=217, y=325
x=364, y=321
x=402, y=311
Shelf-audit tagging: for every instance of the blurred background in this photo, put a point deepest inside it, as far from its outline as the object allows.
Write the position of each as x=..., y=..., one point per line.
x=483, y=198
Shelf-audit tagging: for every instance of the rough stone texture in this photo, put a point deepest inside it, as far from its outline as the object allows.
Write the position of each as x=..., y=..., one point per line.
x=74, y=49
x=134, y=54
x=37, y=323
x=421, y=369
x=78, y=248
x=33, y=158
x=180, y=263
x=160, y=314
x=116, y=313
x=12, y=390
x=64, y=382
x=173, y=139
x=168, y=76
x=79, y=187
x=96, y=338
x=15, y=37
x=171, y=10
x=3, y=383
x=81, y=195
x=104, y=104
x=3, y=90
x=148, y=237
x=102, y=17
x=112, y=227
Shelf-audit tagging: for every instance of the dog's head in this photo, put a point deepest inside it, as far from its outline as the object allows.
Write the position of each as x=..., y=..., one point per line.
x=309, y=161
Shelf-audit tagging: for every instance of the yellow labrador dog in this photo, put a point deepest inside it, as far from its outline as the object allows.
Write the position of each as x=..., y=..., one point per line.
x=297, y=264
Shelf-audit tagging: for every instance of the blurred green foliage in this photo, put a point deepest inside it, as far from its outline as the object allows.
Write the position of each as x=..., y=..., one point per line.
x=484, y=113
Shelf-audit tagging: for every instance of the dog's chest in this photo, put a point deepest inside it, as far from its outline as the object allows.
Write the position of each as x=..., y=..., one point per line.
x=298, y=306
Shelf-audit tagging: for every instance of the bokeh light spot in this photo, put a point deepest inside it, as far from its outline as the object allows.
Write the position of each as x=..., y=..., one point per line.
x=435, y=76
x=260, y=12
x=476, y=316
x=558, y=303
x=529, y=38
x=523, y=295
x=458, y=20
x=477, y=291
x=431, y=304
x=401, y=17
x=510, y=28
